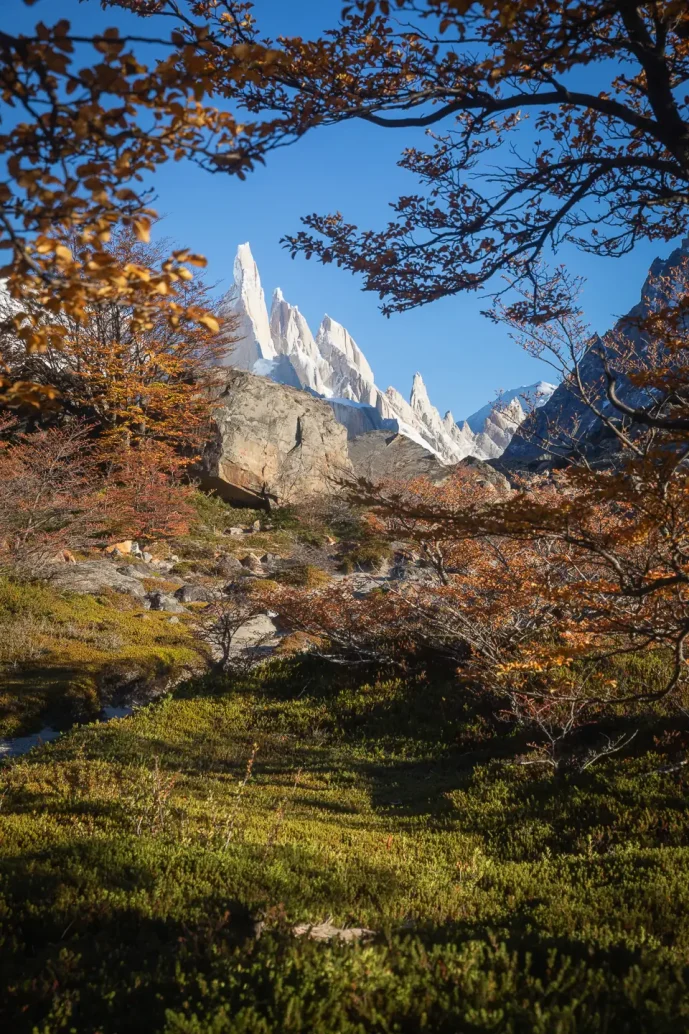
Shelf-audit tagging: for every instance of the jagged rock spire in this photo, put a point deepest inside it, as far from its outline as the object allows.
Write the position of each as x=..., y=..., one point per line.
x=246, y=301
x=332, y=365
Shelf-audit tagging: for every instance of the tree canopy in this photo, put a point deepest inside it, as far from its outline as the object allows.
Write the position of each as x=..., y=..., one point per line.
x=546, y=120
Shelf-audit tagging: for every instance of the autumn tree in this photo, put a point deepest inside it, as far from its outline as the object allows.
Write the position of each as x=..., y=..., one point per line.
x=50, y=493
x=602, y=167
x=544, y=121
x=136, y=383
x=85, y=122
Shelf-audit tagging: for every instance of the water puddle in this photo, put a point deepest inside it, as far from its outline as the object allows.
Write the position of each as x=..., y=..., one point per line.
x=14, y=747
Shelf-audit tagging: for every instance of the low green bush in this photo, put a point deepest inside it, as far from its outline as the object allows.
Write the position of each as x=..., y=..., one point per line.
x=137, y=857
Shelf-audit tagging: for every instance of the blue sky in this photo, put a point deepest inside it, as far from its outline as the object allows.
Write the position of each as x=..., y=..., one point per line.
x=464, y=359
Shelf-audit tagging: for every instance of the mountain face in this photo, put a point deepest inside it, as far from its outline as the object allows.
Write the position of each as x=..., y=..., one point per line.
x=564, y=419
x=282, y=347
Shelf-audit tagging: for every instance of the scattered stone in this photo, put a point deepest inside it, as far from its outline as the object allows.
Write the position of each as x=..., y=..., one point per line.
x=93, y=576
x=162, y=601
x=270, y=558
x=256, y=526
x=196, y=594
x=132, y=571
x=147, y=557
x=236, y=532
x=252, y=563
x=164, y=566
x=173, y=621
x=121, y=548
x=327, y=932
x=229, y=566
x=174, y=559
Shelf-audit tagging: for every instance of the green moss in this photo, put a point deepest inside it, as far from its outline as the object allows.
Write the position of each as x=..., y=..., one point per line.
x=305, y=575
x=56, y=650
x=504, y=900
x=367, y=555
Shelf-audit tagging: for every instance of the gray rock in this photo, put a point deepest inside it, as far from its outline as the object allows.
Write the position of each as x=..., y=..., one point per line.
x=256, y=526
x=236, y=532
x=229, y=566
x=271, y=442
x=486, y=474
x=252, y=563
x=147, y=557
x=132, y=571
x=327, y=932
x=162, y=601
x=196, y=594
x=93, y=576
x=164, y=566
x=386, y=454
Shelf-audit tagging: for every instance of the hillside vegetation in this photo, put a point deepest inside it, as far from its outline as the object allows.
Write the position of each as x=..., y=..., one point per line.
x=142, y=859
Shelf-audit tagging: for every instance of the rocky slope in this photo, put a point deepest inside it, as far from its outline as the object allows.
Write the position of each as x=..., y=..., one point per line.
x=552, y=429
x=282, y=347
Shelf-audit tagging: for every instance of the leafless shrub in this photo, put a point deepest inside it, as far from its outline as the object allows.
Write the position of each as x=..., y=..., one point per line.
x=223, y=620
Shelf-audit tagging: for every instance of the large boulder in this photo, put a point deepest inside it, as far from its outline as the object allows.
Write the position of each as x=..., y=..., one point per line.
x=272, y=443
x=387, y=454
x=93, y=576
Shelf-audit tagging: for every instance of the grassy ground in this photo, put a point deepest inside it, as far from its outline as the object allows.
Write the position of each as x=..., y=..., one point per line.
x=135, y=857
x=61, y=654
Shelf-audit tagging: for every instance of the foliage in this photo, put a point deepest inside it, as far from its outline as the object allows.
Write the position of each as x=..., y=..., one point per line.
x=50, y=497
x=308, y=576
x=63, y=656
x=62, y=489
x=475, y=75
x=501, y=899
x=131, y=380
x=223, y=620
x=75, y=167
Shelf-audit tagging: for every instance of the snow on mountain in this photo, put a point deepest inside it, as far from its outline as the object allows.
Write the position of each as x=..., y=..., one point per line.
x=292, y=338
x=351, y=376
x=246, y=301
x=535, y=395
x=333, y=366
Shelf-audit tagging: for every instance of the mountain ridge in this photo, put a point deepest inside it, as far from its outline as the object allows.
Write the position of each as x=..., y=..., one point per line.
x=280, y=345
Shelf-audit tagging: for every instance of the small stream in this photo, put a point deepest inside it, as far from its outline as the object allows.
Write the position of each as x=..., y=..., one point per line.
x=14, y=747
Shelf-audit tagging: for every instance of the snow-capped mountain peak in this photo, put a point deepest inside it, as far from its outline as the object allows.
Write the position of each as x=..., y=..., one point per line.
x=246, y=301
x=332, y=365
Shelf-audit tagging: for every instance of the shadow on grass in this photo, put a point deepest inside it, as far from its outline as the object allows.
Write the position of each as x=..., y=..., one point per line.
x=98, y=937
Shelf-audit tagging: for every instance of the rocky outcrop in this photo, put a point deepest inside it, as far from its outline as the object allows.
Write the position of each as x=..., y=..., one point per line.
x=486, y=475
x=272, y=443
x=385, y=454
x=565, y=421
x=93, y=577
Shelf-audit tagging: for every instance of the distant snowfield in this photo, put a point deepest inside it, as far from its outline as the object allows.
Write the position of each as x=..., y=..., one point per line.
x=282, y=347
